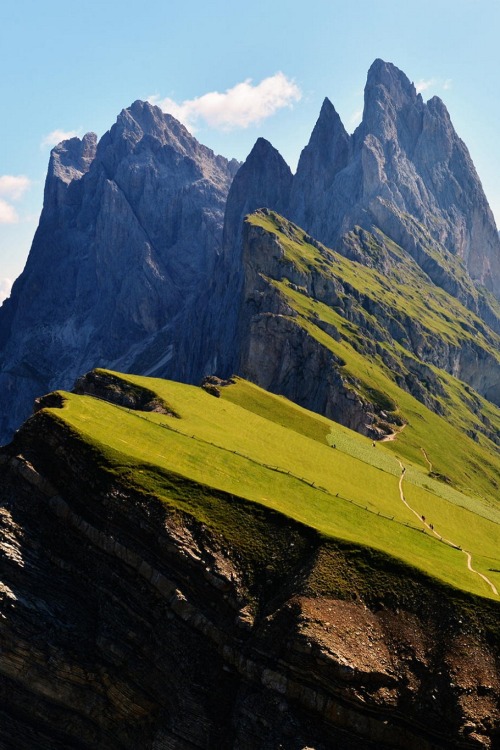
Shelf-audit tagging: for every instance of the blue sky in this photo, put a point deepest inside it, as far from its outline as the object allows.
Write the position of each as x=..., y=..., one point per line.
x=70, y=67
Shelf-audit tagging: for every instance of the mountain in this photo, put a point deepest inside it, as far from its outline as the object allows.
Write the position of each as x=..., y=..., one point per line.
x=129, y=234
x=138, y=262
x=405, y=171
x=342, y=338
x=314, y=564
x=217, y=567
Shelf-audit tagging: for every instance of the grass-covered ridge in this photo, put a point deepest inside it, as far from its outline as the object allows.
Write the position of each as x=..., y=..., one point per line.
x=263, y=450
x=391, y=322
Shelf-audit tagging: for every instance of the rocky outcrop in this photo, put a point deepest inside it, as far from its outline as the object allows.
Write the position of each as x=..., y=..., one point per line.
x=129, y=623
x=263, y=180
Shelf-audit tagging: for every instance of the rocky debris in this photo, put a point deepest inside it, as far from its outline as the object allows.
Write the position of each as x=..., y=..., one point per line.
x=212, y=384
x=127, y=623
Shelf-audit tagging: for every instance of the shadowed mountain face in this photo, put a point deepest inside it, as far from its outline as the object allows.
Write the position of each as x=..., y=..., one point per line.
x=130, y=231
x=132, y=268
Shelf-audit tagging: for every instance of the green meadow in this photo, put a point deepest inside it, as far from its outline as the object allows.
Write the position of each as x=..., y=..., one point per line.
x=263, y=450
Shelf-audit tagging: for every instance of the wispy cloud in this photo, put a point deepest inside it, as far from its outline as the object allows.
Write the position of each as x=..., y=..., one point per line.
x=5, y=287
x=355, y=118
x=423, y=85
x=56, y=136
x=12, y=188
x=8, y=214
x=433, y=83
x=240, y=106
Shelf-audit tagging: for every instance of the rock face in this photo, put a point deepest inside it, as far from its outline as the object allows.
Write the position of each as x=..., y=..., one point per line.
x=404, y=160
x=129, y=624
x=129, y=236
x=288, y=350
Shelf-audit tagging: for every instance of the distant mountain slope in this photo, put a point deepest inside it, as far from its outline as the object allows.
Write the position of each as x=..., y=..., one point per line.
x=353, y=342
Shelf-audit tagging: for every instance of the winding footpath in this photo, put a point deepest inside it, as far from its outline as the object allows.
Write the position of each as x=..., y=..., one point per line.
x=427, y=459
x=441, y=538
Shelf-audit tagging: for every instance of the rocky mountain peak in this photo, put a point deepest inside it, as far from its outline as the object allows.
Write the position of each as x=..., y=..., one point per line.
x=72, y=158
x=326, y=154
x=387, y=78
x=265, y=179
x=392, y=108
x=69, y=161
x=328, y=147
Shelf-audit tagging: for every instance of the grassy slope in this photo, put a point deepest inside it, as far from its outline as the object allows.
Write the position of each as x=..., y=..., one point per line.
x=261, y=448
x=470, y=465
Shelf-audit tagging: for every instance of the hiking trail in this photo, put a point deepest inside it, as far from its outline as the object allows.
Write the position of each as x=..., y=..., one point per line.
x=441, y=538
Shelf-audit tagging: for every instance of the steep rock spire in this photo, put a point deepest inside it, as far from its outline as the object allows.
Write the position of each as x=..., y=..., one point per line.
x=326, y=154
x=264, y=180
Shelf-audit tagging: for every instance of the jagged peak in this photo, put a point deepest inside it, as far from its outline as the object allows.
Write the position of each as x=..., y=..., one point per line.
x=75, y=144
x=385, y=80
x=326, y=108
x=264, y=156
x=328, y=145
x=329, y=118
x=144, y=117
x=264, y=179
x=263, y=147
x=438, y=108
x=71, y=158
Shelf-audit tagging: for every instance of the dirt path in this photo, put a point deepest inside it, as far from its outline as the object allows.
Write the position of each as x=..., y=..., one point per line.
x=441, y=538
x=427, y=459
x=392, y=436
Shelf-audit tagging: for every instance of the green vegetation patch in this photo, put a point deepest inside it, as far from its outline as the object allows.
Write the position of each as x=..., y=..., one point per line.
x=285, y=463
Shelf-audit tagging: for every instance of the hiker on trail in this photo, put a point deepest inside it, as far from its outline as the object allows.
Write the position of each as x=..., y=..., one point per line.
x=423, y=519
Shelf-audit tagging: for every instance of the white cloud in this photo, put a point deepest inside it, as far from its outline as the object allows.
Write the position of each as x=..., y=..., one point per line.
x=355, y=118
x=8, y=214
x=5, y=287
x=435, y=83
x=14, y=186
x=56, y=136
x=238, y=107
x=424, y=85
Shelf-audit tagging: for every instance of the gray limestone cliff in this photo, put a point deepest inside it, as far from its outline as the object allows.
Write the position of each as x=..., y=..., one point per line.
x=128, y=238
x=405, y=171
